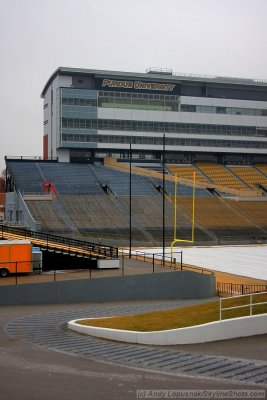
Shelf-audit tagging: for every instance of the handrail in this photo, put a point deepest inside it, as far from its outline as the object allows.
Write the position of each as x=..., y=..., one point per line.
x=230, y=79
x=47, y=240
x=165, y=260
x=30, y=158
x=239, y=288
x=29, y=221
x=250, y=305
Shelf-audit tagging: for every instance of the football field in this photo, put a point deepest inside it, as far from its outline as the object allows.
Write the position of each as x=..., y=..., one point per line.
x=250, y=261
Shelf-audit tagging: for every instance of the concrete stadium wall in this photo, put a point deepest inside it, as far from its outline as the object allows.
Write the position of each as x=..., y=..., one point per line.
x=168, y=285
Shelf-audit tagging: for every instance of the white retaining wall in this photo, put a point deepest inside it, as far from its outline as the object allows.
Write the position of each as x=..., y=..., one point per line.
x=219, y=330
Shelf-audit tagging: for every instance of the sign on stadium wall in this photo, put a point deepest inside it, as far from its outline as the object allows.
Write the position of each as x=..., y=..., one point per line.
x=137, y=85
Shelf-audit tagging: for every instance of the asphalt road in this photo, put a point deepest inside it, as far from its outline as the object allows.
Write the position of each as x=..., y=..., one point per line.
x=32, y=372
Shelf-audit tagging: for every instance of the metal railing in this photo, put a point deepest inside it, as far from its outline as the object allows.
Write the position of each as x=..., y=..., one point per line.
x=164, y=260
x=228, y=79
x=67, y=245
x=155, y=258
x=39, y=271
x=239, y=288
x=30, y=158
x=250, y=305
x=16, y=268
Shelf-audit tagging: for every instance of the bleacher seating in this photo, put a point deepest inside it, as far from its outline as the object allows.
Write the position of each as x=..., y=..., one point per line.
x=219, y=175
x=249, y=175
x=94, y=211
x=76, y=179
x=119, y=181
x=80, y=204
x=213, y=212
x=253, y=212
x=71, y=178
x=262, y=168
x=186, y=171
x=26, y=177
x=48, y=215
x=183, y=190
x=147, y=211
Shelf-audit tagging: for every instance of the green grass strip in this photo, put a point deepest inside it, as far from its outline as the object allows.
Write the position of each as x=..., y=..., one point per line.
x=179, y=317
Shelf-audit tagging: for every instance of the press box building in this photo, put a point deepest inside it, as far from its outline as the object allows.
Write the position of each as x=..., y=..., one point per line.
x=90, y=114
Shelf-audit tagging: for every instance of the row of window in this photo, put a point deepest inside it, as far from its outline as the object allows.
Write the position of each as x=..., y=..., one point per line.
x=125, y=155
x=155, y=102
x=164, y=104
x=159, y=141
x=77, y=93
x=223, y=110
x=137, y=95
x=70, y=101
x=163, y=127
x=139, y=104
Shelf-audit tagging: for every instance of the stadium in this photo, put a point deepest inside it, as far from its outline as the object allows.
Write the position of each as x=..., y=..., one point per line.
x=143, y=163
x=118, y=147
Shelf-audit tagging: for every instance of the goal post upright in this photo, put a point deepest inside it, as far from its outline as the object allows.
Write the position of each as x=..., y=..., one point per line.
x=175, y=240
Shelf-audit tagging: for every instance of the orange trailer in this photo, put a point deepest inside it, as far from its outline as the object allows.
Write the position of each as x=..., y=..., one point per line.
x=15, y=256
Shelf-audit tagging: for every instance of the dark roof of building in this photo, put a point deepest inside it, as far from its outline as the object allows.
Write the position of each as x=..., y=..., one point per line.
x=157, y=75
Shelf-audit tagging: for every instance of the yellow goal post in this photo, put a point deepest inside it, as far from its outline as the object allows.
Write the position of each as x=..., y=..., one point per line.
x=175, y=239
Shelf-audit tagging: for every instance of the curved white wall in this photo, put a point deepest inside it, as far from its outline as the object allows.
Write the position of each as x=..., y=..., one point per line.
x=219, y=330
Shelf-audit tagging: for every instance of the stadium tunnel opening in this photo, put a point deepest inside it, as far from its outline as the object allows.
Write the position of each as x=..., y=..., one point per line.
x=58, y=261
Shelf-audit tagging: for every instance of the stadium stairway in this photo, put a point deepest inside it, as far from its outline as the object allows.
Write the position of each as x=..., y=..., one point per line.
x=72, y=226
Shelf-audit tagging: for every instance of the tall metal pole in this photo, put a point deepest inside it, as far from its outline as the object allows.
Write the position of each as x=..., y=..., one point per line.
x=163, y=201
x=130, y=204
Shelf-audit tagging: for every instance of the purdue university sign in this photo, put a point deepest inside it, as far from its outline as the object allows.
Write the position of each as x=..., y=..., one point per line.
x=138, y=85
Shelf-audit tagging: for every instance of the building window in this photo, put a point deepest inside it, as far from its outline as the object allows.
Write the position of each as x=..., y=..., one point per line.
x=163, y=127
x=188, y=108
x=221, y=110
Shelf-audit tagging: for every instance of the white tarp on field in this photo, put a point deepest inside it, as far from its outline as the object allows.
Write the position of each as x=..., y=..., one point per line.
x=248, y=261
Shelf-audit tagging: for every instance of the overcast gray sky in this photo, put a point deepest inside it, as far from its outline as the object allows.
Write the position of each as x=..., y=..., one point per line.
x=217, y=37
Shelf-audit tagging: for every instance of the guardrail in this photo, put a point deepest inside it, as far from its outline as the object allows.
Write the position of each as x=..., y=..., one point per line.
x=249, y=305
x=164, y=260
x=239, y=288
x=30, y=158
x=14, y=273
x=155, y=258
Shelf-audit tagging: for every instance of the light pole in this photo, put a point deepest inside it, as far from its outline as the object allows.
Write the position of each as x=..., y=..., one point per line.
x=130, y=203
x=163, y=201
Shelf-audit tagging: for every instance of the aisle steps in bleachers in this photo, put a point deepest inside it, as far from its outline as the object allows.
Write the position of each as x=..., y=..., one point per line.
x=187, y=171
x=249, y=175
x=219, y=175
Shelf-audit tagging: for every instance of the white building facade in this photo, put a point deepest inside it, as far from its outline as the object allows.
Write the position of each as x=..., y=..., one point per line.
x=91, y=114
